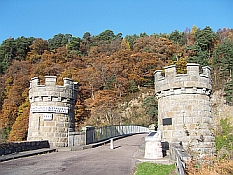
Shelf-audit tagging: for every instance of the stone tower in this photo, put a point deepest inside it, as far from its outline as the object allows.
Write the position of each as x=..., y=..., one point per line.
x=52, y=110
x=184, y=112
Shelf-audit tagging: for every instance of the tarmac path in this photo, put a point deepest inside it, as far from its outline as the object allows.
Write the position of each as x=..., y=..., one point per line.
x=96, y=161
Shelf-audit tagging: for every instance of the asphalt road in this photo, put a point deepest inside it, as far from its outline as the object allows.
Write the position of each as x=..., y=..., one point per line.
x=96, y=161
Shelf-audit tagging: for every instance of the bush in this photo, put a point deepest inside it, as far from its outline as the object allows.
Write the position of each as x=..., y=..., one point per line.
x=224, y=139
x=211, y=166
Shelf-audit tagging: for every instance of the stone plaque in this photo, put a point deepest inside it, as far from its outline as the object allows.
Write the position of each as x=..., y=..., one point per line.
x=167, y=121
x=52, y=109
x=48, y=116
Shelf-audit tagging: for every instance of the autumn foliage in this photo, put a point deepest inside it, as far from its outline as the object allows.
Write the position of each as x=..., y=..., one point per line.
x=108, y=67
x=210, y=166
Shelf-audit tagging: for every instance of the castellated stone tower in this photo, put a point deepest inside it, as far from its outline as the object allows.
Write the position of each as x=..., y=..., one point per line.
x=52, y=110
x=184, y=112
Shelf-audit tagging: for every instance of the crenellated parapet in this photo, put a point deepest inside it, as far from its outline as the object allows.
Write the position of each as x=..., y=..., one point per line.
x=52, y=110
x=184, y=110
x=52, y=92
x=174, y=84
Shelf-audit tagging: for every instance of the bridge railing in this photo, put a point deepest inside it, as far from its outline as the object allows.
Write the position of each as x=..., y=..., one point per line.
x=180, y=156
x=97, y=134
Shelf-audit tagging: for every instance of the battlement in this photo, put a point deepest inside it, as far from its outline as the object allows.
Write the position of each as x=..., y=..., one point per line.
x=52, y=110
x=50, y=91
x=184, y=110
x=192, y=82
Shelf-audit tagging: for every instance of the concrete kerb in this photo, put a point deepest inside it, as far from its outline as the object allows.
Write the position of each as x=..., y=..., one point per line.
x=26, y=154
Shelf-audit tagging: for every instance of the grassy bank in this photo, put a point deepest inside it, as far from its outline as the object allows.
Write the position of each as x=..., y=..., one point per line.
x=154, y=169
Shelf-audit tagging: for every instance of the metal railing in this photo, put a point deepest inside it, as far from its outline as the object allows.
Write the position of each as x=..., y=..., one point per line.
x=180, y=156
x=97, y=134
x=106, y=132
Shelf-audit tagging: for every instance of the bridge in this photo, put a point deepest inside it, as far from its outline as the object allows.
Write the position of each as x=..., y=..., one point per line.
x=127, y=151
x=91, y=135
x=101, y=160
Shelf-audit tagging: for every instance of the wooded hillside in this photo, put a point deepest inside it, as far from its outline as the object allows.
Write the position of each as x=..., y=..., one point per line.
x=110, y=70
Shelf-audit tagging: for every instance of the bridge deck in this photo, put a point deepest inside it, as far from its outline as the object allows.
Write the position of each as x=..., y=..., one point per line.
x=102, y=160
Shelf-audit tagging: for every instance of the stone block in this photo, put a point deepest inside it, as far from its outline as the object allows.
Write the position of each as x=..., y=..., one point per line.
x=178, y=121
x=167, y=134
x=63, y=139
x=179, y=127
x=177, y=133
x=169, y=114
x=205, y=119
x=192, y=126
x=153, y=150
x=61, y=129
x=190, y=84
x=188, y=120
x=196, y=119
x=46, y=129
x=50, y=134
x=49, y=123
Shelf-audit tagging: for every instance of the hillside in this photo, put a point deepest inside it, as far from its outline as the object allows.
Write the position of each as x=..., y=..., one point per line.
x=115, y=73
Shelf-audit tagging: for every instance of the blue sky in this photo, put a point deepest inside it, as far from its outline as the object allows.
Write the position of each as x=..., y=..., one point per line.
x=46, y=18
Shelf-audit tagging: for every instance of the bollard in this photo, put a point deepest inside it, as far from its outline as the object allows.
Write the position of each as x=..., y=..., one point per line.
x=111, y=144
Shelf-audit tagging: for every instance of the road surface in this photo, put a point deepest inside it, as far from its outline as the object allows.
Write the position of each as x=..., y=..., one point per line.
x=96, y=161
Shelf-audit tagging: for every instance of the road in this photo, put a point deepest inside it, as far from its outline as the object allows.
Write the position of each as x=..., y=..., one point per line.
x=96, y=161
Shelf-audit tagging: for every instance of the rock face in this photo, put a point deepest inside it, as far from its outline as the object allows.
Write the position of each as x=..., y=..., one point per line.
x=184, y=112
x=52, y=110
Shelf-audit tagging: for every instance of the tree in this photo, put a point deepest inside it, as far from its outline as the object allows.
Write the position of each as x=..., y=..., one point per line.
x=223, y=58
x=202, y=50
x=224, y=137
x=228, y=89
x=87, y=42
x=107, y=35
x=225, y=34
x=104, y=106
x=132, y=86
x=74, y=45
x=177, y=37
x=39, y=46
x=125, y=45
x=7, y=54
x=144, y=34
x=20, y=126
x=163, y=48
x=23, y=47
x=206, y=39
x=130, y=39
x=13, y=49
x=36, y=50
x=187, y=36
x=151, y=107
x=197, y=55
x=59, y=40
x=15, y=85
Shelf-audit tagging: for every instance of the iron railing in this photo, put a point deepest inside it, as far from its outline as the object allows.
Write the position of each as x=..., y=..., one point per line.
x=106, y=132
x=180, y=156
x=97, y=134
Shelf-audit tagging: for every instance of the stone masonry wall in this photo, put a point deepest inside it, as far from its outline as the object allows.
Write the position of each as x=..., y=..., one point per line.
x=15, y=147
x=184, y=112
x=52, y=110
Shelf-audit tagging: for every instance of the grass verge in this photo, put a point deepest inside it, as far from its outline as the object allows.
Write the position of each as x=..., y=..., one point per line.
x=146, y=168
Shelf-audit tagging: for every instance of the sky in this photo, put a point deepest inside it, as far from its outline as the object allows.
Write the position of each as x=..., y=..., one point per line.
x=46, y=18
